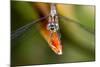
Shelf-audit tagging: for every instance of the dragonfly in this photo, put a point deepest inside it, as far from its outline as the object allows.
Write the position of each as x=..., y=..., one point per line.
x=52, y=28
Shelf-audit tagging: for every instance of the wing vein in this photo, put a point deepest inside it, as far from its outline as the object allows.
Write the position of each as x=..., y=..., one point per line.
x=22, y=29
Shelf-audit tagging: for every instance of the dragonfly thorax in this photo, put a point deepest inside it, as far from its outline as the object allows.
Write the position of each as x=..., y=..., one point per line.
x=53, y=27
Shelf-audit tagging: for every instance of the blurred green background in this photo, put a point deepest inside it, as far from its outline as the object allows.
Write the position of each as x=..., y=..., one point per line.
x=31, y=48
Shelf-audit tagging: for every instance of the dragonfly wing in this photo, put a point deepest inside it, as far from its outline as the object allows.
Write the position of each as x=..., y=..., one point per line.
x=24, y=28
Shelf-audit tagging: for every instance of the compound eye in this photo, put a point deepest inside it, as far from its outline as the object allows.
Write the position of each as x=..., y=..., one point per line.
x=52, y=27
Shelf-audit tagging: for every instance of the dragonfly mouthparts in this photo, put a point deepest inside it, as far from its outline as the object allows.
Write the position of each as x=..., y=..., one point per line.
x=60, y=52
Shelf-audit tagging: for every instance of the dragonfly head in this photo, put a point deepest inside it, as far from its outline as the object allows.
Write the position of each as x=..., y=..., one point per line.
x=53, y=27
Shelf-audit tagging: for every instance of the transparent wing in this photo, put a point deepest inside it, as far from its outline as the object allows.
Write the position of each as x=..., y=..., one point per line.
x=76, y=22
x=22, y=29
